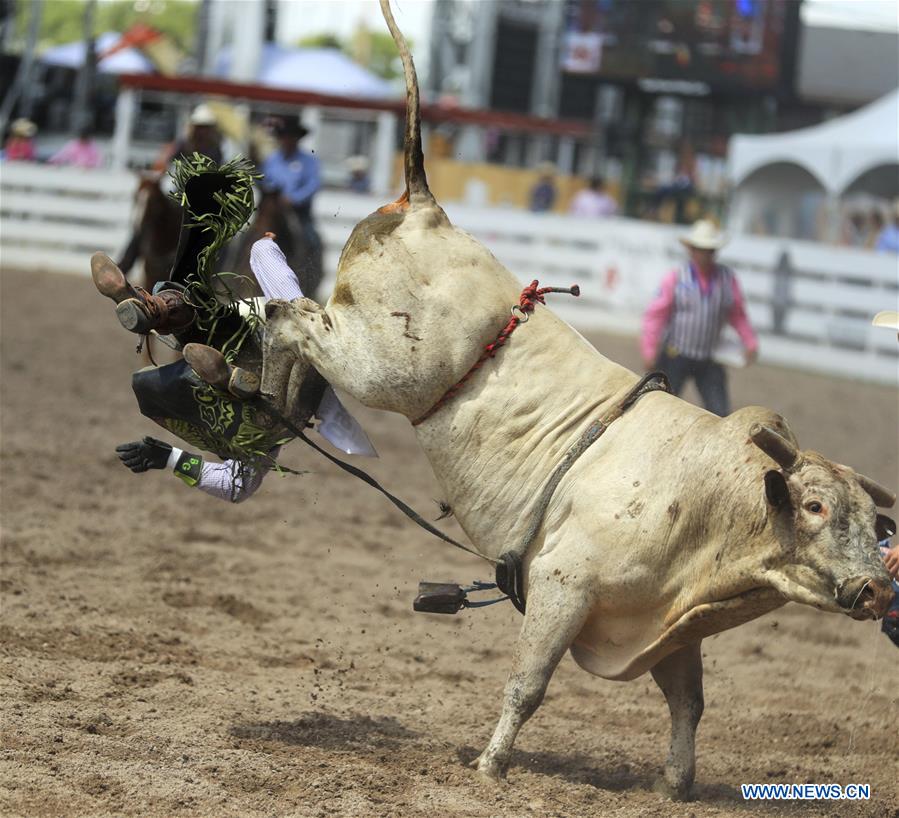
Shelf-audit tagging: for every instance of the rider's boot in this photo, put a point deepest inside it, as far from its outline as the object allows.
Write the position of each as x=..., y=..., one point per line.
x=137, y=310
x=166, y=312
x=213, y=369
x=109, y=279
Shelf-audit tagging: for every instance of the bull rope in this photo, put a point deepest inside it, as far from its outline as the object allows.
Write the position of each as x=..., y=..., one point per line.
x=527, y=302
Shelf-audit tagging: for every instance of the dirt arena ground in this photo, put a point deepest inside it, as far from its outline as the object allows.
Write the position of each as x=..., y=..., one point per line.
x=167, y=654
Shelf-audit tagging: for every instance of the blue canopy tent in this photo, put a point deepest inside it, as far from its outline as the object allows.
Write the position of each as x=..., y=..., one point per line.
x=319, y=70
x=126, y=61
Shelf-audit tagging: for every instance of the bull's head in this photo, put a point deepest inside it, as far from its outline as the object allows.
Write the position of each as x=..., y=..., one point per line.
x=824, y=517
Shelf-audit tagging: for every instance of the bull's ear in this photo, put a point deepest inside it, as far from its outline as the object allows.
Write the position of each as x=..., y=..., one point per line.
x=776, y=489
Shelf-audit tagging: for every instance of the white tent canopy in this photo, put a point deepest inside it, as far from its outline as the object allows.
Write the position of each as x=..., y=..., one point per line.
x=835, y=153
x=320, y=70
x=126, y=61
x=800, y=183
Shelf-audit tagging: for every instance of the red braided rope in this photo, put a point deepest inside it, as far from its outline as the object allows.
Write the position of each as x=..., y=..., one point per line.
x=527, y=302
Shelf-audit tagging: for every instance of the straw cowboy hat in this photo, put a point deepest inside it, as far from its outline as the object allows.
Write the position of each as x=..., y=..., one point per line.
x=23, y=127
x=887, y=319
x=704, y=235
x=203, y=115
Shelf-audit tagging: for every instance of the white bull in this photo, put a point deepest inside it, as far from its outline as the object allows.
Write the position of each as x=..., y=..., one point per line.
x=674, y=525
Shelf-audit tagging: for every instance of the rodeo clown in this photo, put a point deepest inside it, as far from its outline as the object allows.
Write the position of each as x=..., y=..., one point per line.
x=196, y=307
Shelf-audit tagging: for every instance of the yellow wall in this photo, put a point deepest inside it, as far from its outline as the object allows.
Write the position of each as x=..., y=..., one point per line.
x=506, y=186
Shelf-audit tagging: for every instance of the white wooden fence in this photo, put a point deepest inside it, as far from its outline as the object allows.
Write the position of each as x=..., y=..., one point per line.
x=811, y=304
x=53, y=218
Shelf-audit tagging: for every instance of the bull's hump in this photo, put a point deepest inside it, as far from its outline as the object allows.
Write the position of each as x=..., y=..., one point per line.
x=380, y=226
x=373, y=229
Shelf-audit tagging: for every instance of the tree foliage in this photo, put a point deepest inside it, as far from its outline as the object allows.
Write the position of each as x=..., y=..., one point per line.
x=62, y=20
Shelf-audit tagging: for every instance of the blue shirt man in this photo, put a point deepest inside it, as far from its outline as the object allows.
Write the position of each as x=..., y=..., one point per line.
x=295, y=174
x=290, y=170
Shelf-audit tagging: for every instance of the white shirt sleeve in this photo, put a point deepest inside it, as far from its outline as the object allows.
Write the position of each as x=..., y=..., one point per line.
x=230, y=480
x=270, y=267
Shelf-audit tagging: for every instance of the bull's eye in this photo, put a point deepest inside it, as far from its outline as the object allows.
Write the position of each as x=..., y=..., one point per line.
x=814, y=507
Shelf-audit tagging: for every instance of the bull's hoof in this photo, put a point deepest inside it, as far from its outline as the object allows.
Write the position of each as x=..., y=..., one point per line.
x=488, y=769
x=676, y=792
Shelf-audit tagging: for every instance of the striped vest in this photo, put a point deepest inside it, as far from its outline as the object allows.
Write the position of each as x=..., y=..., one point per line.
x=697, y=318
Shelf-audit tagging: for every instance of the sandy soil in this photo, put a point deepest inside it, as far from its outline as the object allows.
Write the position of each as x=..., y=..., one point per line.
x=168, y=654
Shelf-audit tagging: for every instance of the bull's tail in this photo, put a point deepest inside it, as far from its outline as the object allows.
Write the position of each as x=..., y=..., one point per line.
x=414, y=160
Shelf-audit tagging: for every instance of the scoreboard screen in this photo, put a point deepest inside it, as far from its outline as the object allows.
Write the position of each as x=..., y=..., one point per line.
x=724, y=44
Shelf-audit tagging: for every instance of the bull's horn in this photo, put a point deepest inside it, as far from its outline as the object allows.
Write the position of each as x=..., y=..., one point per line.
x=883, y=497
x=777, y=447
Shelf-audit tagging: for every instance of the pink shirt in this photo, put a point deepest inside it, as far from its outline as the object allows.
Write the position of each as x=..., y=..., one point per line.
x=78, y=153
x=19, y=149
x=593, y=204
x=658, y=314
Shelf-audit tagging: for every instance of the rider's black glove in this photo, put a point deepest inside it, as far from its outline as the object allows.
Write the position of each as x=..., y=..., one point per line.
x=141, y=455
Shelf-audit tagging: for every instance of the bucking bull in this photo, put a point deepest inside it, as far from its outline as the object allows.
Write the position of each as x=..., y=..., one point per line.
x=673, y=526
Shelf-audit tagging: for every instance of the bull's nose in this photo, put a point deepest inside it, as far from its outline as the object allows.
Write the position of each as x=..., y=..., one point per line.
x=864, y=597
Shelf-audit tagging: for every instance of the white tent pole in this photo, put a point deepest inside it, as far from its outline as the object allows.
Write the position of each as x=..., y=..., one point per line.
x=312, y=119
x=125, y=110
x=382, y=164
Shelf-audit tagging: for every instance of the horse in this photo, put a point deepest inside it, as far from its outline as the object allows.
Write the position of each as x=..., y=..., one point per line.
x=157, y=220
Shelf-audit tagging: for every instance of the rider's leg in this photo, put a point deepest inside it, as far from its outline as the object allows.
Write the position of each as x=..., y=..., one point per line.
x=137, y=310
x=213, y=369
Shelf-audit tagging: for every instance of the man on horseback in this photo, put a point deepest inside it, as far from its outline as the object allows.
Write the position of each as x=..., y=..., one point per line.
x=203, y=138
x=294, y=175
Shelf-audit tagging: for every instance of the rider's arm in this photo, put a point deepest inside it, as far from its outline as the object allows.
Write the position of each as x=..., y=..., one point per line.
x=300, y=187
x=739, y=320
x=270, y=267
x=656, y=318
x=230, y=480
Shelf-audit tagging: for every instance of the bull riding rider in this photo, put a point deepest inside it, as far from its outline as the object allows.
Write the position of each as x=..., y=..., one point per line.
x=174, y=396
x=296, y=176
x=683, y=323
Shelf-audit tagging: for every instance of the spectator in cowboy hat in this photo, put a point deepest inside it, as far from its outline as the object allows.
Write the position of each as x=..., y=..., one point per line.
x=203, y=138
x=683, y=323
x=19, y=146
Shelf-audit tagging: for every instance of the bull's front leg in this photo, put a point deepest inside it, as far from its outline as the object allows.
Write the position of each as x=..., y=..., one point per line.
x=285, y=361
x=557, y=607
x=300, y=334
x=680, y=678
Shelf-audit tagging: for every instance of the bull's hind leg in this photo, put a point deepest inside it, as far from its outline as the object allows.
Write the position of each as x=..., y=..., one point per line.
x=557, y=607
x=680, y=678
